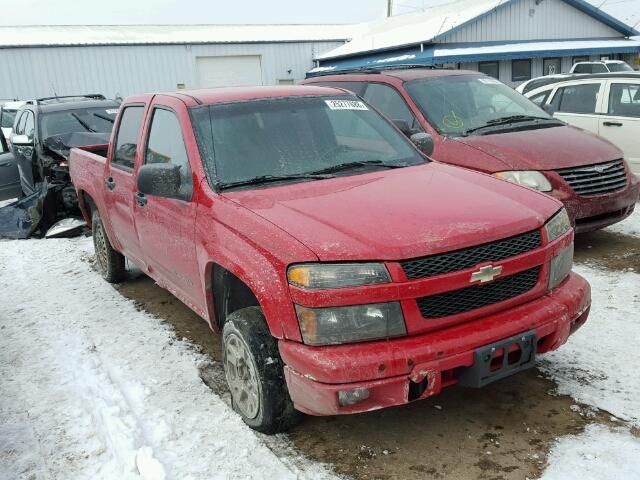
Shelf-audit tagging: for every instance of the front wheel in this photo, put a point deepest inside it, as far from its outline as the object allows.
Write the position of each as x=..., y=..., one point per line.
x=254, y=372
x=111, y=263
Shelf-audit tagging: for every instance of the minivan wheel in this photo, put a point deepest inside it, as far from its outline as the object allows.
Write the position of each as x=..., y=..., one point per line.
x=111, y=263
x=254, y=372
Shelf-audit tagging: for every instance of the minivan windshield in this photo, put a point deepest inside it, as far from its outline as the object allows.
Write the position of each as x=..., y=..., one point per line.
x=262, y=142
x=459, y=105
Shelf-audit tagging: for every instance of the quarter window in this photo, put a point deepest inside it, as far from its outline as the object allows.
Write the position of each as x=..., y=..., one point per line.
x=577, y=98
x=540, y=98
x=166, y=145
x=624, y=99
x=127, y=140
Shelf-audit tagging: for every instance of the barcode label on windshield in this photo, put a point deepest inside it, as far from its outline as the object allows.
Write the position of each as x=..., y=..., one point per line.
x=345, y=105
x=111, y=111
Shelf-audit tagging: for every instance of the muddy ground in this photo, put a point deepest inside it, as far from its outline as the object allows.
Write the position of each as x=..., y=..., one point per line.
x=503, y=431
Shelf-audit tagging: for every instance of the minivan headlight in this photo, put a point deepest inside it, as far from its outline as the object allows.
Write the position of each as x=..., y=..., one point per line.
x=558, y=225
x=333, y=325
x=317, y=276
x=526, y=178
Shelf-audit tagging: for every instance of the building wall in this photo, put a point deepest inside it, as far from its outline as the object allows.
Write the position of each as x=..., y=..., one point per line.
x=126, y=70
x=531, y=20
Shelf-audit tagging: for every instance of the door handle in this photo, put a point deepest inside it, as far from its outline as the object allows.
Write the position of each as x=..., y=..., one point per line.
x=141, y=200
x=110, y=183
x=612, y=124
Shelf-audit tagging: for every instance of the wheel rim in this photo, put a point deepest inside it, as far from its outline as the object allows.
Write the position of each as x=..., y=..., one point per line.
x=100, y=246
x=241, y=376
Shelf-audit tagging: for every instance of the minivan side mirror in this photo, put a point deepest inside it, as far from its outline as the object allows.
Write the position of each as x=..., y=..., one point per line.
x=550, y=109
x=162, y=180
x=424, y=142
x=21, y=141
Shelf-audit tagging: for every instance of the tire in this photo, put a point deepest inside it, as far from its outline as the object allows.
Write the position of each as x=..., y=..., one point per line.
x=111, y=263
x=255, y=373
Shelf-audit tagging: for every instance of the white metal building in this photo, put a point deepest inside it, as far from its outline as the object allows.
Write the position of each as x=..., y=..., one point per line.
x=122, y=60
x=513, y=40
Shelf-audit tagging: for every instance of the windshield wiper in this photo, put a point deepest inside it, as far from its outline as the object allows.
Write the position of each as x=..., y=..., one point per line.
x=363, y=163
x=507, y=120
x=273, y=178
x=104, y=117
x=82, y=122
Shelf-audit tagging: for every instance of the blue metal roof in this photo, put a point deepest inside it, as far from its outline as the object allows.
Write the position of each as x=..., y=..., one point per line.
x=478, y=52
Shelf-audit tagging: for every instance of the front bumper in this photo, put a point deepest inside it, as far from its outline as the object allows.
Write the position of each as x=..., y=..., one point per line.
x=597, y=211
x=390, y=369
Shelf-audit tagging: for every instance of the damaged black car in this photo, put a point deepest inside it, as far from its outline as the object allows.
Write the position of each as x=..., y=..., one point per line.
x=44, y=132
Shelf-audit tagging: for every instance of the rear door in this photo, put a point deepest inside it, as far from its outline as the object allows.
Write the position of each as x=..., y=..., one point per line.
x=166, y=226
x=620, y=122
x=578, y=103
x=119, y=183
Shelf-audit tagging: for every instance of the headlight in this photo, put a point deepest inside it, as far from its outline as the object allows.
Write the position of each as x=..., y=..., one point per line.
x=337, y=275
x=526, y=178
x=558, y=225
x=331, y=325
x=560, y=267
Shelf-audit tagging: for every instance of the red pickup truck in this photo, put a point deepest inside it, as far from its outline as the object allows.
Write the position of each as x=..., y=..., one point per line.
x=346, y=271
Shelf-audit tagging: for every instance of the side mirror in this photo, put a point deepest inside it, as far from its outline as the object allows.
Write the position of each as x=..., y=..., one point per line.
x=550, y=109
x=424, y=142
x=403, y=126
x=21, y=141
x=162, y=180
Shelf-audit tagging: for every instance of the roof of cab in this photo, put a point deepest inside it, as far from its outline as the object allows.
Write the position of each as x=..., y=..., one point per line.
x=210, y=96
x=405, y=74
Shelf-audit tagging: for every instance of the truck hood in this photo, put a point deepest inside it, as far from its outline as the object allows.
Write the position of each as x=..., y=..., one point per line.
x=398, y=214
x=545, y=148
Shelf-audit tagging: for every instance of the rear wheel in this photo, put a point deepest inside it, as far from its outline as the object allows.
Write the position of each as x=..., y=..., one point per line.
x=255, y=374
x=111, y=263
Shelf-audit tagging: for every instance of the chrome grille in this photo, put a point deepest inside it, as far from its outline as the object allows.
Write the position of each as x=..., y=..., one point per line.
x=595, y=179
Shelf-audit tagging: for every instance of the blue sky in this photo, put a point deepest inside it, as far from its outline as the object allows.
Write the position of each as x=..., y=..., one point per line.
x=73, y=12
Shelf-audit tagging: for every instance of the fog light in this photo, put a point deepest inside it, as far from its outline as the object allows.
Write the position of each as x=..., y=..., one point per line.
x=351, y=397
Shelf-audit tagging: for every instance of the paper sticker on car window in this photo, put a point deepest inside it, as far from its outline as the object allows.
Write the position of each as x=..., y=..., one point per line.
x=111, y=111
x=490, y=81
x=346, y=105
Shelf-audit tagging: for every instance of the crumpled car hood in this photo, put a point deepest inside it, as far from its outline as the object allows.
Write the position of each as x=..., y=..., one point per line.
x=399, y=214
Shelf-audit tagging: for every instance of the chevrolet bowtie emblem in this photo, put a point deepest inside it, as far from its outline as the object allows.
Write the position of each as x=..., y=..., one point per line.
x=485, y=274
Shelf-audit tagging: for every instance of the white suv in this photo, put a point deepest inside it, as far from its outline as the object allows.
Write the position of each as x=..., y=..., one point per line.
x=606, y=104
x=603, y=66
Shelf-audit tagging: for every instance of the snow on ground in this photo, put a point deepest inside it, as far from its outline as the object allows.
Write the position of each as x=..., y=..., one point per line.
x=629, y=226
x=94, y=389
x=598, y=453
x=600, y=364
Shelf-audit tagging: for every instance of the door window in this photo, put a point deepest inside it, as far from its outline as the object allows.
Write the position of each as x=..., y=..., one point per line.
x=29, y=124
x=577, y=98
x=166, y=145
x=19, y=130
x=127, y=140
x=624, y=99
x=392, y=105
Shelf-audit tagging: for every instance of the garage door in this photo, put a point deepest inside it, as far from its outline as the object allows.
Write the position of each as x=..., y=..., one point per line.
x=235, y=71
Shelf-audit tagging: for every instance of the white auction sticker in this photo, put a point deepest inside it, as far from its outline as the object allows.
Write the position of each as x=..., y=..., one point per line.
x=346, y=105
x=111, y=111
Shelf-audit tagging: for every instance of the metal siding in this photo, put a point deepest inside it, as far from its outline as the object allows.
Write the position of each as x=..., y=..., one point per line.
x=127, y=70
x=553, y=19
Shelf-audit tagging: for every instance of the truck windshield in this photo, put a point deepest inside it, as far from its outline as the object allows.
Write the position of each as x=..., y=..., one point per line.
x=94, y=120
x=296, y=138
x=458, y=105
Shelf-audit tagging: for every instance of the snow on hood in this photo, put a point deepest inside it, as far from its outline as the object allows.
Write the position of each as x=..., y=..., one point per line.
x=398, y=214
x=545, y=148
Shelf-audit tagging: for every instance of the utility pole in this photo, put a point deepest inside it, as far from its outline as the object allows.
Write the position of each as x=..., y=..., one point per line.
x=389, y=8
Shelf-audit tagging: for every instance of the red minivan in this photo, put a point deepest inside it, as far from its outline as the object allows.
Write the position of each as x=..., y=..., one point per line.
x=474, y=121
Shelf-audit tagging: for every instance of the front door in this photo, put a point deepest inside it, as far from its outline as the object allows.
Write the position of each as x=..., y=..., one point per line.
x=119, y=183
x=578, y=104
x=620, y=123
x=166, y=226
